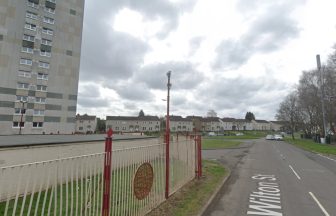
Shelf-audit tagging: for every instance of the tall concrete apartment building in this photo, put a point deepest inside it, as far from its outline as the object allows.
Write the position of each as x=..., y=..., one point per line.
x=40, y=46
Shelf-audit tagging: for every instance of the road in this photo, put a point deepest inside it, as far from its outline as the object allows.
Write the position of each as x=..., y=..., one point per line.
x=275, y=178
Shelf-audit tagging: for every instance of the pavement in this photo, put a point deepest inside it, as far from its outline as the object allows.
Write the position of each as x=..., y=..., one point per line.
x=274, y=178
x=30, y=140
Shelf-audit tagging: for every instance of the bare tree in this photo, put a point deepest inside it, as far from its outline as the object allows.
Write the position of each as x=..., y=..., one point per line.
x=211, y=113
x=309, y=101
x=289, y=111
x=303, y=106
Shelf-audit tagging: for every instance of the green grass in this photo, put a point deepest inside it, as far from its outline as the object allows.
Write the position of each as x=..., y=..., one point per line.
x=121, y=188
x=247, y=135
x=219, y=143
x=310, y=145
x=190, y=199
x=199, y=195
x=240, y=137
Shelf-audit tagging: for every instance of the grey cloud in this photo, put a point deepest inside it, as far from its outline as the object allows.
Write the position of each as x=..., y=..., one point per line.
x=92, y=102
x=241, y=93
x=89, y=90
x=178, y=100
x=248, y=6
x=184, y=75
x=133, y=91
x=89, y=96
x=111, y=56
x=268, y=32
x=130, y=106
x=107, y=54
x=167, y=11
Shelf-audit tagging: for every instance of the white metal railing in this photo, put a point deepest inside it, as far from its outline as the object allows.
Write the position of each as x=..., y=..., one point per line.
x=182, y=162
x=74, y=185
x=54, y=187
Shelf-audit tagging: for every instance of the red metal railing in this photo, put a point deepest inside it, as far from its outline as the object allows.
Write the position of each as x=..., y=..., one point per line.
x=107, y=173
x=100, y=183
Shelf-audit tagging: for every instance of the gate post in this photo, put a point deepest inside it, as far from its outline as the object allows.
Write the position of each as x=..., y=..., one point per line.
x=199, y=148
x=198, y=156
x=107, y=173
x=167, y=165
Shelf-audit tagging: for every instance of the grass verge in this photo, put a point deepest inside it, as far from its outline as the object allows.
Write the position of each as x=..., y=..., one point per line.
x=218, y=143
x=312, y=146
x=239, y=137
x=246, y=135
x=192, y=197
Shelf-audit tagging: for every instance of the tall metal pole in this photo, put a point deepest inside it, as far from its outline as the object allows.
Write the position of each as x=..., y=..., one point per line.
x=318, y=61
x=167, y=137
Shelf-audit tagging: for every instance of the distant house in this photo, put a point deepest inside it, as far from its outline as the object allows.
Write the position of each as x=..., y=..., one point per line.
x=262, y=125
x=180, y=124
x=236, y=124
x=211, y=124
x=197, y=122
x=279, y=125
x=133, y=123
x=85, y=123
x=243, y=124
x=228, y=124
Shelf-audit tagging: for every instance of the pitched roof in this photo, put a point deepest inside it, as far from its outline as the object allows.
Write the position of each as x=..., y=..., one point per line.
x=228, y=119
x=132, y=118
x=280, y=122
x=179, y=118
x=210, y=119
x=242, y=120
x=194, y=117
x=85, y=117
x=261, y=121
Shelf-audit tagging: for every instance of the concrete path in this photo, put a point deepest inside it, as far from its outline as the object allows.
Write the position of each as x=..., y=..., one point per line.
x=29, y=140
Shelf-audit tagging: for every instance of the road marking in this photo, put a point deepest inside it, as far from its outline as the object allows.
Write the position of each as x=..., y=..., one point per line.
x=319, y=204
x=266, y=200
x=294, y=172
x=327, y=157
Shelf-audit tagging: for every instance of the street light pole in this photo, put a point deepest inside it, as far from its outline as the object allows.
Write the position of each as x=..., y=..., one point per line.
x=22, y=112
x=318, y=61
x=167, y=137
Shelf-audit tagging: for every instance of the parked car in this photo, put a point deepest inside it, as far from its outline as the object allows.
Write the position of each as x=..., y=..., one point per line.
x=211, y=134
x=270, y=137
x=278, y=137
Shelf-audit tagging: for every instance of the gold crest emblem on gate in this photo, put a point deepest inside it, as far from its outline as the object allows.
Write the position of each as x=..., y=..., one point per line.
x=143, y=181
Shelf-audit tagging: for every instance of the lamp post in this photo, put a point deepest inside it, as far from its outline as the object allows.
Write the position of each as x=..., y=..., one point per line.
x=167, y=137
x=318, y=61
x=23, y=111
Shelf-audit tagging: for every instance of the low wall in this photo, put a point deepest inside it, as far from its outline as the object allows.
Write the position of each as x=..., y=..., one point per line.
x=22, y=155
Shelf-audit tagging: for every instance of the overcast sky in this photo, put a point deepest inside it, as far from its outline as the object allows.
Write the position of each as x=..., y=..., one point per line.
x=231, y=56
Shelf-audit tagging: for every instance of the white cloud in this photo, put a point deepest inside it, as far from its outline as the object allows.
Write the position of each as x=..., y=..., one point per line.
x=232, y=56
x=133, y=23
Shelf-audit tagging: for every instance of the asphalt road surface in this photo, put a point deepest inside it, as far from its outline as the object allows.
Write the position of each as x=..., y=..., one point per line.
x=275, y=178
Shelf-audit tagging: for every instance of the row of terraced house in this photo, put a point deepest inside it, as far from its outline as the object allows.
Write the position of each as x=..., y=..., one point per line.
x=129, y=124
